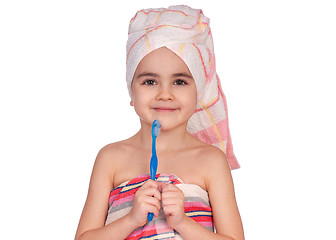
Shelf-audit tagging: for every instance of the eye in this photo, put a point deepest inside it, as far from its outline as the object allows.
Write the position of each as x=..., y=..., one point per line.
x=149, y=82
x=180, y=82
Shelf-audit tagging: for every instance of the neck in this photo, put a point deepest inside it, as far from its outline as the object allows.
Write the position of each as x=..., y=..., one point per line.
x=166, y=141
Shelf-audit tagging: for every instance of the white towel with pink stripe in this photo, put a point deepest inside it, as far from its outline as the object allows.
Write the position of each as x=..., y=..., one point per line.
x=187, y=33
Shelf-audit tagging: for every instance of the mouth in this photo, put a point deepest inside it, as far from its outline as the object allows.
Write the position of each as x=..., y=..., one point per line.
x=164, y=109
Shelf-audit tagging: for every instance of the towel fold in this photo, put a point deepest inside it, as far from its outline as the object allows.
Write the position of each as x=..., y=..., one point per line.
x=187, y=33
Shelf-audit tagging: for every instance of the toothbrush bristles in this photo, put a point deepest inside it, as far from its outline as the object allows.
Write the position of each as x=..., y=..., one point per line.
x=156, y=128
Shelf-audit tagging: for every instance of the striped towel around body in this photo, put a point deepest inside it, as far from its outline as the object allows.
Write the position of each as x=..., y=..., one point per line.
x=196, y=206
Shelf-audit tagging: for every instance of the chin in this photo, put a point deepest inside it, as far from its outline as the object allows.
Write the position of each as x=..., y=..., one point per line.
x=167, y=125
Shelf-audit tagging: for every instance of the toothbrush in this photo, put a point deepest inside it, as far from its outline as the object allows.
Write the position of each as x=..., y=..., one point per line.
x=156, y=126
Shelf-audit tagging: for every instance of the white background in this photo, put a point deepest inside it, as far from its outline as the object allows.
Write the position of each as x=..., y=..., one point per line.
x=63, y=96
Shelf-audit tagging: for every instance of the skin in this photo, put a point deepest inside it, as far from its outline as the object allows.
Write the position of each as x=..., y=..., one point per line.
x=163, y=89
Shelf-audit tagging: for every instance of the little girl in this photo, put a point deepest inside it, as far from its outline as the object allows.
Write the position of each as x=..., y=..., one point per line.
x=171, y=77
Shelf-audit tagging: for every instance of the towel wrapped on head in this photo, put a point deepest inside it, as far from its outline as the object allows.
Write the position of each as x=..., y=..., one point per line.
x=187, y=33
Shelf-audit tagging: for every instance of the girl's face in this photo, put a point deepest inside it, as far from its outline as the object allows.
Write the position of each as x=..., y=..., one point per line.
x=164, y=89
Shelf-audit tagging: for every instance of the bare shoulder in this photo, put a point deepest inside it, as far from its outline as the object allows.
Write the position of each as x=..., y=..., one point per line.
x=204, y=163
x=107, y=160
x=117, y=160
x=214, y=161
x=214, y=157
x=115, y=149
x=111, y=153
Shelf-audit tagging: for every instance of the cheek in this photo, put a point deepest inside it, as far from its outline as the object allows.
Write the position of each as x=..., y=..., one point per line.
x=140, y=99
x=190, y=100
x=193, y=97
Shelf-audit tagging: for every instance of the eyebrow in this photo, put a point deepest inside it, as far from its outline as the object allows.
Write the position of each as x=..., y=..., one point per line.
x=150, y=74
x=182, y=75
x=147, y=74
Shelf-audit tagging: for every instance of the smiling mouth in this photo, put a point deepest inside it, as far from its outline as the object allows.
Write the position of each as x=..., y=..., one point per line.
x=162, y=109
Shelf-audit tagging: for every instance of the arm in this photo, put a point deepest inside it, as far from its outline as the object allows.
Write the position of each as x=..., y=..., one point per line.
x=118, y=229
x=223, y=200
x=225, y=211
x=91, y=224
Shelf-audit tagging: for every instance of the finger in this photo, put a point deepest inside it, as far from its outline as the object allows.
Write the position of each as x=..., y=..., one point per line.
x=152, y=205
x=168, y=187
x=172, y=198
x=153, y=201
x=153, y=209
x=172, y=194
x=152, y=192
x=160, y=185
x=149, y=191
x=173, y=201
x=150, y=183
x=146, y=204
x=169, y=210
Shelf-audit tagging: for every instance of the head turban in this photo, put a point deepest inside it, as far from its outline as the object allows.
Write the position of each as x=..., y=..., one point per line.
x=186, y=32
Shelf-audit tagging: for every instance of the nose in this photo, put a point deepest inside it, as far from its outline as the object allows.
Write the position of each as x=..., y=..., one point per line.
x=165, y=94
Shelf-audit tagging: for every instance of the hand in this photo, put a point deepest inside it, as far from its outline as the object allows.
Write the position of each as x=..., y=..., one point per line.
x=146, y=199
x=173, y=205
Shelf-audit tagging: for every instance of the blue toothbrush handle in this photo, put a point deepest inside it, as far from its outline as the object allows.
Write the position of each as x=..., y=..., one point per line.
x=153, y=169
x=150, y=216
